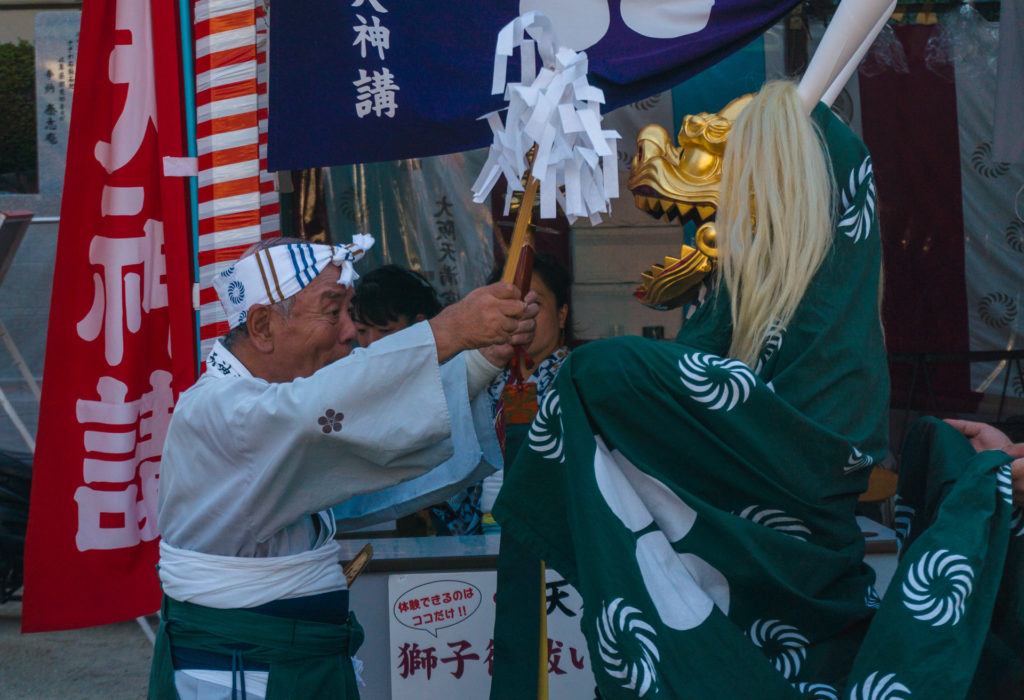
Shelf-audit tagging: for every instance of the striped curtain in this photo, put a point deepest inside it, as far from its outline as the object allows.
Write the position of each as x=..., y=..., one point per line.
x=238, y=202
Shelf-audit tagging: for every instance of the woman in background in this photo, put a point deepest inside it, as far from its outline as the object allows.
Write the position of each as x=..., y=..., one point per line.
x=552, y=284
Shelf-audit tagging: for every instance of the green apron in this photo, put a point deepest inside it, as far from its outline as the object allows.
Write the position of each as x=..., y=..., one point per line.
x=306, y=659
x=705, y=509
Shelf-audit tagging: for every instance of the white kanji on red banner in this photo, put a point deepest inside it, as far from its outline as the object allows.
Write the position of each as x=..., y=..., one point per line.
x=123, y=281
x=121, y=295
x=126, y=438
x=131, y=65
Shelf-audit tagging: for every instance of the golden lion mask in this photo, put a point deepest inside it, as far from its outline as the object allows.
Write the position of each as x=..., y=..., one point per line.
x=682, y=182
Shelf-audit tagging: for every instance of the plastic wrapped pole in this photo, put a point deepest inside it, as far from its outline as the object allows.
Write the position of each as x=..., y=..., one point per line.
x=422, y=213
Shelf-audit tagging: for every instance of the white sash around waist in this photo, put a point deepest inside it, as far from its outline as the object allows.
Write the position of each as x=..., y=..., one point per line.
x=245, y=582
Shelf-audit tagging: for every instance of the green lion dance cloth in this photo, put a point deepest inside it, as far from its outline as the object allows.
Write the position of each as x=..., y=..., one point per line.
x=704, y=509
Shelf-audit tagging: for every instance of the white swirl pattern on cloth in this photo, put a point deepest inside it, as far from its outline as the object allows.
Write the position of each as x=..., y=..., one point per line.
x=857, y=461
x=903, y=521
x=784, y=645
x=717, y=382
x=1004, y=483
x=937, y=587
x=621, y=624
x=772, y=344
x=817, y=691
x=884, y=688
x=776, y=520
x=546, y=430
x=856, y=220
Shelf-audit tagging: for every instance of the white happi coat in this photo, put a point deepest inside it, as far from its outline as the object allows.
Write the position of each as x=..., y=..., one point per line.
x=246, y=461
x=248, y=465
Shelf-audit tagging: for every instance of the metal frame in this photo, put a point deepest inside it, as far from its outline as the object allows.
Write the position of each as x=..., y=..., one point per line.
x=1012, y=359
x=13, y=226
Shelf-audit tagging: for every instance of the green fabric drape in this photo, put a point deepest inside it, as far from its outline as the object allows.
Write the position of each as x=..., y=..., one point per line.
x=306, y=659
x=953, y=610
x=705, y=510
x=515, y=662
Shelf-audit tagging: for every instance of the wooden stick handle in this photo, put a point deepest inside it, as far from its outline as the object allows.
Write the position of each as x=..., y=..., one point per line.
x=356, y=566
x=521, y=233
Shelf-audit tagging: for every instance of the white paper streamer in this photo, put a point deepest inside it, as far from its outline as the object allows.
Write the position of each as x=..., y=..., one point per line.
x=556, y=109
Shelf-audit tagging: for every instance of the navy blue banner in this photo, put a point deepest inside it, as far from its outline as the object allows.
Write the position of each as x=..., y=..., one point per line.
x=354, y=81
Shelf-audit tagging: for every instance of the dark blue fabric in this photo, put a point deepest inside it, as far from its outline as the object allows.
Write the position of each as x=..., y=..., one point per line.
x=460, y=514
x=326, y=607
x=442, y=55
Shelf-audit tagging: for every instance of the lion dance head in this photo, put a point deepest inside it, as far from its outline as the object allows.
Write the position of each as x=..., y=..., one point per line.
x=682, y=183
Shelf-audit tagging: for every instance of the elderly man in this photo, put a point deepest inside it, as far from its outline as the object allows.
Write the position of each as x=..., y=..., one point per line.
x=285, y=422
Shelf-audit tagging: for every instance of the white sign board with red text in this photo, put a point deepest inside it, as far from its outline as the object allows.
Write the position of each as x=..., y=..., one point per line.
x=442, y=629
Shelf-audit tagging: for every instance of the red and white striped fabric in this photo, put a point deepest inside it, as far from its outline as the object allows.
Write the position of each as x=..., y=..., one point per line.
x=270, y=209
x=237, y=200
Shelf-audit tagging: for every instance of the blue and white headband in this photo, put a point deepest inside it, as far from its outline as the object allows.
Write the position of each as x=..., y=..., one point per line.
x=274, y=274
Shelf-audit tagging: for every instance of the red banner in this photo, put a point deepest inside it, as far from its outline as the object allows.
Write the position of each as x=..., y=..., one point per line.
x=120, y=347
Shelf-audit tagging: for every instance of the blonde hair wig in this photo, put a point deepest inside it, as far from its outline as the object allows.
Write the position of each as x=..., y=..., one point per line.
x=775, y=215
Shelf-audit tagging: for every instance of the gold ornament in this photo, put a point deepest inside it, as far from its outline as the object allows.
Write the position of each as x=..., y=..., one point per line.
x=682, y=182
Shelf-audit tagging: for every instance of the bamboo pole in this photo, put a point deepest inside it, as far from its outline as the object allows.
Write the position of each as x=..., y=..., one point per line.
x=522, y=234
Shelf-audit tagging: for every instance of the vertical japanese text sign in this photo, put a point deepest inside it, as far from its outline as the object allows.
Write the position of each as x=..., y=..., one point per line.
x=120, y=340
x=441, y=637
